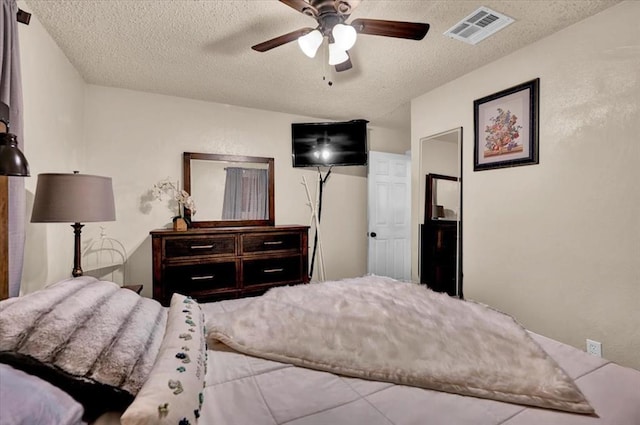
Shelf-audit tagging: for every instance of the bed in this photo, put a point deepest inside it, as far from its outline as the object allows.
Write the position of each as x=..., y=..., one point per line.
x=294, y=385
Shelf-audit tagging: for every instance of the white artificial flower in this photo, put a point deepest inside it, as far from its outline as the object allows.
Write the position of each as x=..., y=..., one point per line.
x=170, y=188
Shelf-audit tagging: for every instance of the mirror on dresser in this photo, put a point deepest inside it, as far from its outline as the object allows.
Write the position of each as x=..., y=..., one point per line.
x=229, y=190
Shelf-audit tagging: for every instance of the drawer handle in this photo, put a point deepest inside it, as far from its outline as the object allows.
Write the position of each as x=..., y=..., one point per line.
x=273, y=270
x=202, y=277
x=273, y=243
x=201, y=246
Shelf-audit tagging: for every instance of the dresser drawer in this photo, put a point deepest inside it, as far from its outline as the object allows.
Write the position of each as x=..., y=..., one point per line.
x=283, y=269
x=200, y=245
x=190, y=279
x=270, y=242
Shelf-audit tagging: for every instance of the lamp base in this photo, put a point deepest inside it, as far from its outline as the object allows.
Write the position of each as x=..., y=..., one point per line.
x=77, y=254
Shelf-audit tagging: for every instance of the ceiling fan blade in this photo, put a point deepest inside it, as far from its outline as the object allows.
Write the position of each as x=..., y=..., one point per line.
x=283, y=39
x=344, y=66
x=398, y=29
x=301, y=6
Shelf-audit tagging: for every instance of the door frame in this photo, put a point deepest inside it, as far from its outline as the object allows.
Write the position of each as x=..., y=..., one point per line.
x=422, y=195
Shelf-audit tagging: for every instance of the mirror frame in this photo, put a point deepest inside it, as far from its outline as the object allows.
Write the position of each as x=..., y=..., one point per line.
x=186, y=181
x=429, y=185
x=459, y=133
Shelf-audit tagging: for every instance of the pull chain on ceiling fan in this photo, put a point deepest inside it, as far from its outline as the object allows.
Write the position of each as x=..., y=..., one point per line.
x=331, y=16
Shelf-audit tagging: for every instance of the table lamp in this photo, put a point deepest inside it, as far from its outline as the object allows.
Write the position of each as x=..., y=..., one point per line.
x=73, y=198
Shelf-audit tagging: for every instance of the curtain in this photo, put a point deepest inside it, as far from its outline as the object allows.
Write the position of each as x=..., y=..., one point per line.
x=245, y=194
x=11, y=94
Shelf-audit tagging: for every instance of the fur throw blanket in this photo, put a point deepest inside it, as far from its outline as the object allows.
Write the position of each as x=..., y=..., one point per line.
x=381, y=329
x=89, y=337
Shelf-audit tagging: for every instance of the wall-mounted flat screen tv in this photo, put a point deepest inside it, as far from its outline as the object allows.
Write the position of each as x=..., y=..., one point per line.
x=329, y=143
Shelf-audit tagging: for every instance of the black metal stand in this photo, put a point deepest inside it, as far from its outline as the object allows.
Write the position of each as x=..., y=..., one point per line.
x=315, y=237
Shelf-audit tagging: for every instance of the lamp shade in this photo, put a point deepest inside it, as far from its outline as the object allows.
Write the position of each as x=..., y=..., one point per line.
x=73, y=198
x=337, y=55
x=344, y=36
x=12, y=160
x=309, y=43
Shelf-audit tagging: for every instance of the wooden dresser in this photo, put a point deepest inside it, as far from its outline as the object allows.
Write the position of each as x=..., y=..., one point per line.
x=439, y=255
x=440, y=260
x=211, y=264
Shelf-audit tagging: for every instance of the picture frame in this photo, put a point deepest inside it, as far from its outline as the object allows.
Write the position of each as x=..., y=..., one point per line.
x=506, y=127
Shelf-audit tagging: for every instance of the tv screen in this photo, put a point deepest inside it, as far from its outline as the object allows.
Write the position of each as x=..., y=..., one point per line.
x=329, y=143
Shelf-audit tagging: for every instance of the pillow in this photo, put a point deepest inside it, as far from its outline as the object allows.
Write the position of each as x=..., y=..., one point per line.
x=173, y=392
x=92, y=339
x=28, y=400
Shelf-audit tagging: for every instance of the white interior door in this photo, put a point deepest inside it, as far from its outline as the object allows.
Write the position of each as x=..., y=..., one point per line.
x=389, y=202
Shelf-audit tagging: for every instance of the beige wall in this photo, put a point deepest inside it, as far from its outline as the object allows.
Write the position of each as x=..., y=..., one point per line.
x=53, y=94
x=138, y=139
x=557, y=244
x=390, y=140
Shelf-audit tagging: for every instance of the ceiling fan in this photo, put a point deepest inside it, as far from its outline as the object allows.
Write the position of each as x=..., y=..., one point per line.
x=331, y=16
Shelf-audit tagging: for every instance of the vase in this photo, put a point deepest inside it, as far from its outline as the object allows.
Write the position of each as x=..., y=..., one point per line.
x=179, y=224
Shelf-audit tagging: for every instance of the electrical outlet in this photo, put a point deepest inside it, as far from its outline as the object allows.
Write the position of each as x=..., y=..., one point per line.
x=594, y=348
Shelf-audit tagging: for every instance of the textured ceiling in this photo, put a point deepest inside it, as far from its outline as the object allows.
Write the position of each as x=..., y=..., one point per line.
x=201, y=50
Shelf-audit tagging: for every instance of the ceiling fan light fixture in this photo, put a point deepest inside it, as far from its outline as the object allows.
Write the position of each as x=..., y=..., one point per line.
x=345, y=36
x=309, y=43
x=337, y=55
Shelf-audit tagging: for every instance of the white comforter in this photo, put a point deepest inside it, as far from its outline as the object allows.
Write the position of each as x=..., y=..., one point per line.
x=380, y=329
x=245, y=390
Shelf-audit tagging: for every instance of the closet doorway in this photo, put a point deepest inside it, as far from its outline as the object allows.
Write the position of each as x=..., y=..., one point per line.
x=440, y=234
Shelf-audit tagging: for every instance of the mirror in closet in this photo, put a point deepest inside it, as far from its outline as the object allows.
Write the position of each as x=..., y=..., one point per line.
x=440, y=240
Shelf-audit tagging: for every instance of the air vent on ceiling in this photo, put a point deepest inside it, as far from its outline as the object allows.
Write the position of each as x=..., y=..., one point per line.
x=479, y=25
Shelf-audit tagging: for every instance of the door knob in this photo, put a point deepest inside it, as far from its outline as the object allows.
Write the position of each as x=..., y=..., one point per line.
x=374, y=234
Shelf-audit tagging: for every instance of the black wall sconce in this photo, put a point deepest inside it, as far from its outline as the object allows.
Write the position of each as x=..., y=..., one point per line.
x=12, y=160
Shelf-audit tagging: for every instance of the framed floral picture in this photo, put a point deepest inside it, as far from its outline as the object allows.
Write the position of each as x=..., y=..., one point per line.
x=506, y=128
